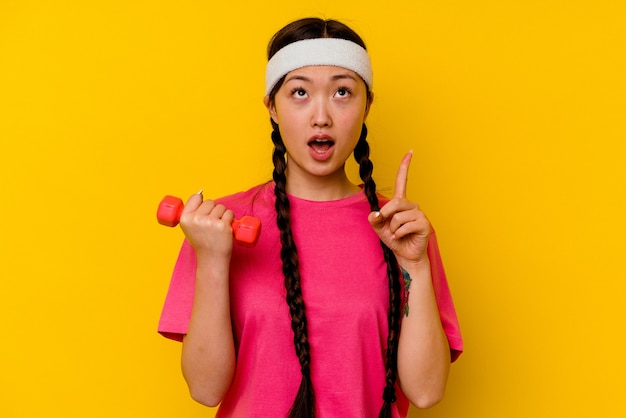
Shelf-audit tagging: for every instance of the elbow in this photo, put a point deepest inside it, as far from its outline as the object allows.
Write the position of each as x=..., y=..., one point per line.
x=425, y=401
x=204, y=397
x=424, y=397
x=206, y=385
x=207, y=392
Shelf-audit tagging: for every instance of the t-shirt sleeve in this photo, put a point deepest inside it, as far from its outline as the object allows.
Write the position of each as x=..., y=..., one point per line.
x=443, y=296
x=176, y=311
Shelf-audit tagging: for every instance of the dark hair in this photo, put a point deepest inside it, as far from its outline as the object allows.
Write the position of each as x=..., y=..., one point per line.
x=304, y=403
x=310, y=28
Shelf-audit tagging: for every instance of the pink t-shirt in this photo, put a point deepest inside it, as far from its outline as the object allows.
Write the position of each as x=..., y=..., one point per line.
x=345, y=289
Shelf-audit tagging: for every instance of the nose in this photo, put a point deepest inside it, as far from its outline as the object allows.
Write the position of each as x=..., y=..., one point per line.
x=321, y=117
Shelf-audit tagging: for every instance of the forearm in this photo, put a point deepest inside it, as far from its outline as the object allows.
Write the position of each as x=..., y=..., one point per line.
x=208, y=357
x=423, y=350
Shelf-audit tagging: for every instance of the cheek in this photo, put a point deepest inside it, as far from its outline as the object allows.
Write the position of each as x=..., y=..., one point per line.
x=354, y=121
x=287, y=122
x=283, y=115
x=290, y=126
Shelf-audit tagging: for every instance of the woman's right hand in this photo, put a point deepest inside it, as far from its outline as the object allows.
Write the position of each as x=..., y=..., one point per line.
x=208, y=355
x=207, y=227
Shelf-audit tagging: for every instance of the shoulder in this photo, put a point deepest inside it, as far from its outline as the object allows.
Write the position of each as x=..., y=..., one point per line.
x=245, y=196
x=259, y=197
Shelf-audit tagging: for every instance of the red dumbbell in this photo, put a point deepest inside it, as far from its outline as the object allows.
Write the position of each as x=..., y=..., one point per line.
x=246, y=230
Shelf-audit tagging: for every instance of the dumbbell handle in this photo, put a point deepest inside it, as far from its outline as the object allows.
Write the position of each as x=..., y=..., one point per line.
x=246, y=230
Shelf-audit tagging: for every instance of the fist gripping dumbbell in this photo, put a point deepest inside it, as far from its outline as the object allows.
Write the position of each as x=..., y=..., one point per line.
x=246, y=230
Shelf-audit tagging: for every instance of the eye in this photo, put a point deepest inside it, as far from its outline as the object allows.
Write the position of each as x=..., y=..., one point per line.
x=299, y=93
x=343, y=92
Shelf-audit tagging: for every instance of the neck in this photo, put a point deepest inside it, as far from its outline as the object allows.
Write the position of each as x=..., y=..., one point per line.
x=321, y=188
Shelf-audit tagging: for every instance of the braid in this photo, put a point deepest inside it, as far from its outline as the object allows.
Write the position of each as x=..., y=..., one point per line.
x=361, y=155
x=304, y=404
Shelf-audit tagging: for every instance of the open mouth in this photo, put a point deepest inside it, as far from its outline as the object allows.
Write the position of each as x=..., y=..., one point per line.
x=321, y=146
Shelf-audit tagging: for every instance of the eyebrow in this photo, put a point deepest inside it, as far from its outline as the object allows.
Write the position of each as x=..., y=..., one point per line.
x=308, y=80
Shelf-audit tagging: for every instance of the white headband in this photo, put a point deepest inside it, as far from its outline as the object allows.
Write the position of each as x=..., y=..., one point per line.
x=318, y=51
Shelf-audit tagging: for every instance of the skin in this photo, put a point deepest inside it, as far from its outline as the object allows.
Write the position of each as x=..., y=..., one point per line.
x=423, y=350
x=320, y=100
x=329, y=103
x=208, y=355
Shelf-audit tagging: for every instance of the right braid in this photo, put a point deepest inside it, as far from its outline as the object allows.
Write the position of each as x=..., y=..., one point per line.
x=304, y=403
x=361, y=155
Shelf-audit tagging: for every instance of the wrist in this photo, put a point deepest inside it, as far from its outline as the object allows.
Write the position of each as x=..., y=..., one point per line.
x=212, y=267
x=414, y=267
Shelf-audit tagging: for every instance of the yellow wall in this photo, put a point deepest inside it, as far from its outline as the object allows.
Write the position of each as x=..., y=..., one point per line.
x=515, y=110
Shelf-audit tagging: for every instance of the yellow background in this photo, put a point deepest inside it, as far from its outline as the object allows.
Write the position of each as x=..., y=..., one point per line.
x=515, y=110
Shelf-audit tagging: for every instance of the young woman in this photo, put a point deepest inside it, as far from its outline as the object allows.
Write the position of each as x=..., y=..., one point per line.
x=342, y=309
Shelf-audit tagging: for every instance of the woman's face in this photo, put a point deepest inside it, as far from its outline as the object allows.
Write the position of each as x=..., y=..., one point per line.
x=320, y=111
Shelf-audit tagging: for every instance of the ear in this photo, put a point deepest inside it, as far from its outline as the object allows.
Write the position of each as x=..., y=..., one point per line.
x=368, y=104
x=271, y=108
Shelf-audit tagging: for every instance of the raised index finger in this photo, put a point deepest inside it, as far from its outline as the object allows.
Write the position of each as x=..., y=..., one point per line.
x=403, y=176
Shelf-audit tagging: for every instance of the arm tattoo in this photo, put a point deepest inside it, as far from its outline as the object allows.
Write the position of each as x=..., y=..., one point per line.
x=405, y=299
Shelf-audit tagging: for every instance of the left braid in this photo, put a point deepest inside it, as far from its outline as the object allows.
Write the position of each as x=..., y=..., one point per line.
x=361, y=155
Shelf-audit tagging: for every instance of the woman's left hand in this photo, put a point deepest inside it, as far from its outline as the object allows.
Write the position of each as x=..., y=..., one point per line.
x=400, y=224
